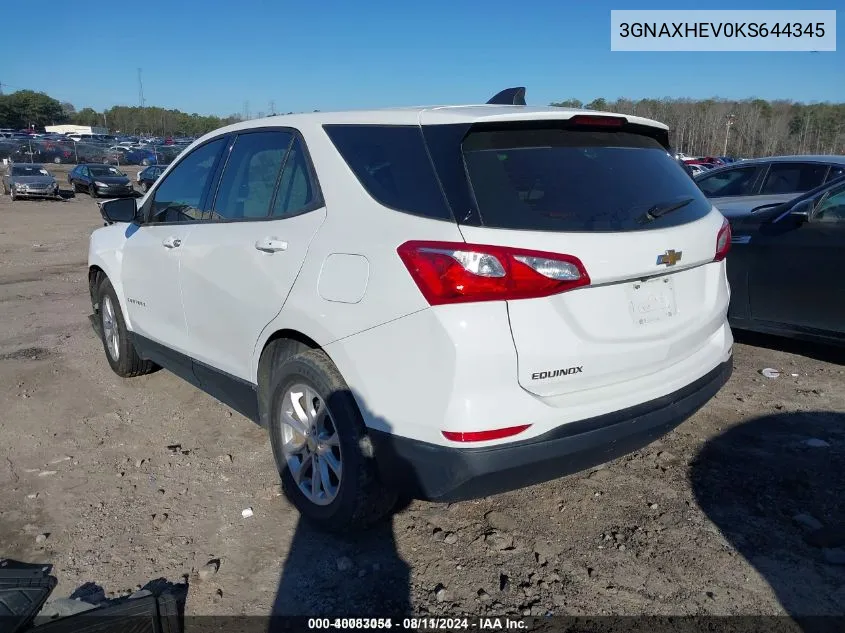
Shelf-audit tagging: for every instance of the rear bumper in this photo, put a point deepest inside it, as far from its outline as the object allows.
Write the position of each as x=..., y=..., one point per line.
x=442, y=473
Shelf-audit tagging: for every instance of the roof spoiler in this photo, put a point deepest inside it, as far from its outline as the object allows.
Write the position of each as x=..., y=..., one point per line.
x=509, y=96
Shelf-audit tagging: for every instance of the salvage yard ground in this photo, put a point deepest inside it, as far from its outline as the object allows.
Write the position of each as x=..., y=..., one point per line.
x=119, y=482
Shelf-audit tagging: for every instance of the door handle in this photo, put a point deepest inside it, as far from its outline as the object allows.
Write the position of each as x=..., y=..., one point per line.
x=271, y=245
x=172, y=242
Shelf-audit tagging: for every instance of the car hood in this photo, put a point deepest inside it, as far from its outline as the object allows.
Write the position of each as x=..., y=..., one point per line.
x=737, y=207
x=112, y=180
x=34, y=180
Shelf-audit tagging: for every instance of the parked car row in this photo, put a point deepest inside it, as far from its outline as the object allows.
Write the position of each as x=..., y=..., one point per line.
x=739, y=188
x=49, y=149
x=32, y=180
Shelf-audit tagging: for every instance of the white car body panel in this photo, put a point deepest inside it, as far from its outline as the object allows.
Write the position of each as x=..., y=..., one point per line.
x=231, y=290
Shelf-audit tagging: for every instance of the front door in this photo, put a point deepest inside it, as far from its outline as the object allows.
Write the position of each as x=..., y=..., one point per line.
x=153, y=252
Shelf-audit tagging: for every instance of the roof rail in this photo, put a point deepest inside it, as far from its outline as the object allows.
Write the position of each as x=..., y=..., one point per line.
x=509, y=96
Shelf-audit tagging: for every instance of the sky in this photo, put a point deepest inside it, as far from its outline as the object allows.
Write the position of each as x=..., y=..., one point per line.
x=236, y=56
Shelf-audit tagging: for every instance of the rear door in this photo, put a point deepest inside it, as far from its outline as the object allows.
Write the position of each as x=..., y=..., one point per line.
x=241, y=261
x=644, y=234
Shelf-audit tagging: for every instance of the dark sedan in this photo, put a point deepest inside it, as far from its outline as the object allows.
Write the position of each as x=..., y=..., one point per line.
x=785, y=267
x=100, y=180
x=146, y=177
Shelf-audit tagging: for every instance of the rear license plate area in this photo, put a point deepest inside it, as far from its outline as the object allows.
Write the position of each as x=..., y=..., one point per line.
x=652, y=301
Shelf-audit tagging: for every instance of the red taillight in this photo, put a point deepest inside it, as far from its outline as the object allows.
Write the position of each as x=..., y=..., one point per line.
x=456, y=272
x=594, y=119
x=483, y=436
x=723, y=241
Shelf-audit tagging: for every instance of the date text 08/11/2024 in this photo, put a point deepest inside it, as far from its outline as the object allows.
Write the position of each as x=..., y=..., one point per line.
x=418, y=624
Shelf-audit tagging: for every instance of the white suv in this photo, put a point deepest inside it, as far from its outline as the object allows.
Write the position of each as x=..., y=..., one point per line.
x=442, y=303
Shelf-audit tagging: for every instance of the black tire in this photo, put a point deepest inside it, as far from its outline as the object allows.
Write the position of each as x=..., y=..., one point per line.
x=92, y=191
x=127, y=364
x=12, y=193
x=362, y=500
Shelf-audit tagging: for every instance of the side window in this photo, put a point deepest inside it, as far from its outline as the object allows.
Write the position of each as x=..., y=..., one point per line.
x=249, y=178
x=832, y=208
x=83, y=171
x=793, y=177
x=835, y=172
x=296, y=191
x=178, y=197
x=731, y=182
x=393, y=166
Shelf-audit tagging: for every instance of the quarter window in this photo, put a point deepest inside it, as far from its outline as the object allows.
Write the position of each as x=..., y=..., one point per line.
x=178, y=197
x=392, y=164
x=835, y=172
x=249, y=178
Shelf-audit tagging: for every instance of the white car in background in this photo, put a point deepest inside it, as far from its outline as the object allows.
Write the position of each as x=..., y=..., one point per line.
x=441, y=302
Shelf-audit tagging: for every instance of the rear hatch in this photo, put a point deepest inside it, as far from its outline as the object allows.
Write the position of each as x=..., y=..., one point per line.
x=604, y=245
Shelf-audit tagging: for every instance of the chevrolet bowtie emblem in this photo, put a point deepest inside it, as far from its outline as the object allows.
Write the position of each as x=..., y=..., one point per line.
x=669, y=258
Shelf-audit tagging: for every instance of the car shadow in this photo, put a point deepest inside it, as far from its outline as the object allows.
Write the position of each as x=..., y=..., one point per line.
x=358, y=574
x=774, y=487
x=816, y=351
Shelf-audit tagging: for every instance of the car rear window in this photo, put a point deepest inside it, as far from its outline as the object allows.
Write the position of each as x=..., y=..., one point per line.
x=392, y=164
x=561, y=179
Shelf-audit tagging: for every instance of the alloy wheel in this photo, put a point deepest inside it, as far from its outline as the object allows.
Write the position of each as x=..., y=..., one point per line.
x=311, y=444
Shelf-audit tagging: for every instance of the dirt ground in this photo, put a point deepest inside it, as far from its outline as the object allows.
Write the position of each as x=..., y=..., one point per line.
x=120, y=482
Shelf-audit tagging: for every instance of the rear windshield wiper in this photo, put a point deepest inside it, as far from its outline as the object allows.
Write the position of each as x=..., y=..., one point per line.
x=663, y=208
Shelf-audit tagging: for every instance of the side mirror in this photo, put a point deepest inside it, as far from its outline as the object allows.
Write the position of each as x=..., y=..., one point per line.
x=803, y=211
x=119, y=210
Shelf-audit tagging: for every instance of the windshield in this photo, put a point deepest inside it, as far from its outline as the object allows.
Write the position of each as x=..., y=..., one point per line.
x=578, y=180
x=104, y=171
x=29, y=170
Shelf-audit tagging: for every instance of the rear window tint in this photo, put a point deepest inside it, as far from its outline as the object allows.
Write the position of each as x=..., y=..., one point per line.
x=572, y=180
x=392, y=164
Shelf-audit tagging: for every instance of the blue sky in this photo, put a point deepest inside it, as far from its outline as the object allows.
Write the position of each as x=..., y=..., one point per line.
x=212, y=56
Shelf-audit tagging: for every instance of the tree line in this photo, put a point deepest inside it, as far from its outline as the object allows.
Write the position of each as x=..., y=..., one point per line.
x=26, y=108
x=752, y=127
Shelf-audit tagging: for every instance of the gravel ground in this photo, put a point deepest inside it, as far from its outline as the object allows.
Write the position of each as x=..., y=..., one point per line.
x=119, y=482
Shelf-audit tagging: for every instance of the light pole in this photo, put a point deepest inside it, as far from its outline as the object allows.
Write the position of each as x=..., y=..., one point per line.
x=728, y=124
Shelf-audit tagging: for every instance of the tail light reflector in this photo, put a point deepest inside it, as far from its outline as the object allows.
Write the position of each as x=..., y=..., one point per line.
x=723, y=241
x=456, y=272
x=483, y=436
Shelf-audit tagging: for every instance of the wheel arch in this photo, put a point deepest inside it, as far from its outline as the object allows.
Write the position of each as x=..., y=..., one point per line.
x=278, y=347
x=97, y=272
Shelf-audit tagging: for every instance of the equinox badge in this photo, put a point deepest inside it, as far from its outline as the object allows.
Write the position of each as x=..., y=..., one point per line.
x=669, y=258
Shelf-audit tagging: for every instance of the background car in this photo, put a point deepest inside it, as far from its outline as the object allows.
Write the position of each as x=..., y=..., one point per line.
x=785, y=267
x=100, y=180
x=738, y=188
x=29, y=180
x=146, y=177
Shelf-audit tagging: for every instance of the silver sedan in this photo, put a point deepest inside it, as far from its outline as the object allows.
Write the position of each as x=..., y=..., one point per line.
x=29, y=180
